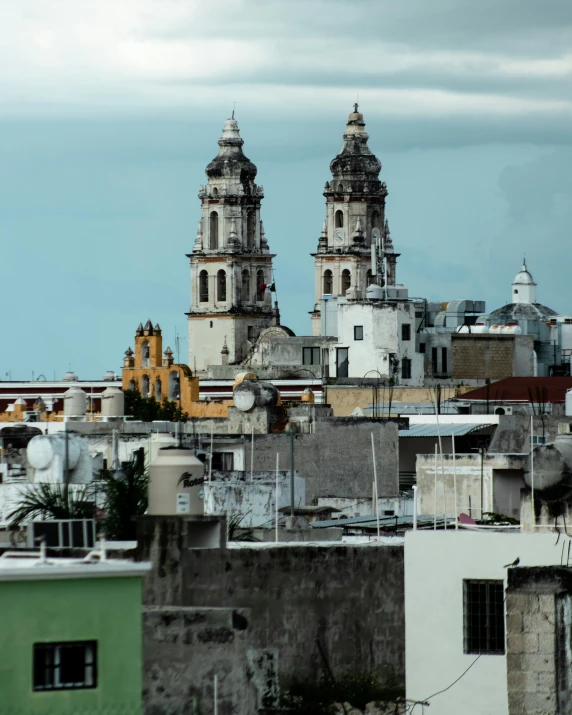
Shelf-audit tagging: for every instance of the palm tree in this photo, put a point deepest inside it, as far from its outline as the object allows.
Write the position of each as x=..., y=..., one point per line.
x=53, y=501
x=125, y=496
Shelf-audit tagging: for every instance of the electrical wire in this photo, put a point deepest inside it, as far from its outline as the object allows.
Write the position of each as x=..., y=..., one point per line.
x=439, y=692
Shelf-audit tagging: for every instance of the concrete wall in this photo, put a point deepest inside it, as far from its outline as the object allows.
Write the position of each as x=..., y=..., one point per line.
x=474, y=482
x=345, y=398
x=492, y=356
x=183, y=650
x=435, y=565
x=348, y=597
x=538, y=624
x=336, y=460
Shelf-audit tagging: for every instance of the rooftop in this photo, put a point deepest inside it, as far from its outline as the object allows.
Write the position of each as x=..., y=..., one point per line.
x=522, y=389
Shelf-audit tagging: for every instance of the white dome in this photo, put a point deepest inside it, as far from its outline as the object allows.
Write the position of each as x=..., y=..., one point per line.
x=70, y=377
x=524, y=277
x=109, y=375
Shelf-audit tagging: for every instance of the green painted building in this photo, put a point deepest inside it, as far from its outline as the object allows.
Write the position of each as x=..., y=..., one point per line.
x=70, y=637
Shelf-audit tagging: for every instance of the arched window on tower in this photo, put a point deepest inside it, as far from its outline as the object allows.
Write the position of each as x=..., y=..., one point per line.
x=328, y=282
x=215, y=192
x=158, y=390
x=245, y=288
x=369, y=278
x=174, y=385
x=341, y=188
x=375, y=222
x=260, y=286
x=251, y=229
x=213, y=230
x=346, y=281
x=132, y=385
x=221, y=286
x=204, y=287
x=145, y=353
x=145, y=386
x=339, y=219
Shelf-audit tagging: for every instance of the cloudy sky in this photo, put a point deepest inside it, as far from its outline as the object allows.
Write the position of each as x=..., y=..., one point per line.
x=110, y=111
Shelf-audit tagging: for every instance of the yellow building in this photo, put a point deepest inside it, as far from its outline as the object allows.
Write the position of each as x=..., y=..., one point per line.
x=154, y=374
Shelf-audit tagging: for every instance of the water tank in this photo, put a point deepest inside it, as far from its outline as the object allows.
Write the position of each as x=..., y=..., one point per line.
x=307, y=396
x=109, y=376
x=70, y=377
x=568, y=404
x=176, y=482
x=374, y=292
x=512, y=330
x=552, y=470
x=74, y=402
x=250, y=394
x=496, y=329
x=241, y=377
x=479, y=328
x=42, y=450
x=463, y=329
x=112, y=402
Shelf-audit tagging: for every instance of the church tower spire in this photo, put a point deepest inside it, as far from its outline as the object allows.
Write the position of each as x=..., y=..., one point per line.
x=355, y=218
x=230, y=263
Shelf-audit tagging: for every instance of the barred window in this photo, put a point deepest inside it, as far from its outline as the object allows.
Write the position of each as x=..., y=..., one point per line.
x=65, y=666
x=483, y=610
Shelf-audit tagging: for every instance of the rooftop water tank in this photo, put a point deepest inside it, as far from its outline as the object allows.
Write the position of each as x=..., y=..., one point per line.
x=512, y=330
x=176, y=482
x=568, y=403
x=70, y=377
x=552, y=470
x=496, y=329
x=250, y=394
x=74, y=402
x=42, y=450
x=112, y=402
x=109, y=376
x=463, y=329
x=374, y=292
x=479, y=328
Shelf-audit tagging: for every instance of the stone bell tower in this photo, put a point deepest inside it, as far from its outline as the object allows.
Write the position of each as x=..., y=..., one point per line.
x=355, y=216
x=231, y=266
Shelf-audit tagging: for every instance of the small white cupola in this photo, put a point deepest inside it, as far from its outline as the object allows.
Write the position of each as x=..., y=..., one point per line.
x=524, y=287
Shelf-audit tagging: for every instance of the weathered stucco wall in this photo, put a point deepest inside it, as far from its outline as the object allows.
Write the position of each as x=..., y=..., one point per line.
x=492, y=356
x=350, y=598
x=336, y=460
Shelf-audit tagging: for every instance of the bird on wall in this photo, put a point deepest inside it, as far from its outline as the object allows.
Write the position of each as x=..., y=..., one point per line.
x=514, y=563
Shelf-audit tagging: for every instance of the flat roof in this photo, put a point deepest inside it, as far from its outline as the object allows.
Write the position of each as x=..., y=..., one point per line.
x=30, y=566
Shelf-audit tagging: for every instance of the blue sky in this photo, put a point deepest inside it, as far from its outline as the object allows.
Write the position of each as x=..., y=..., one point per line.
x=111, y=111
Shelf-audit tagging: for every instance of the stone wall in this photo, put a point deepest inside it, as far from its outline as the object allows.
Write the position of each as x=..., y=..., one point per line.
x=350, y=598
x=491, y=356
x=538, y=621
x=336, y=460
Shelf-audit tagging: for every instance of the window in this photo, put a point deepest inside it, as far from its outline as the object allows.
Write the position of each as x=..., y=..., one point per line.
x=158, y=390
x=221, y=286
x=213, y=230
x=65, y=666
x=203, y=287
x=434, y=360
x=483, y=611
x=422, y=347
x=406, y=331
x=250, y=333
x=370, y=280
x=328, y=282
x=174, y=385
x=538, y=439
x=358, y=332
x=341, y=188
x=406, y=369
x=310, y=356
x=346, y=281
x=145, y=353
x=215, y=191
x=342, y=362
x=145, y=386
x=260, y=286
x=250, y=229
x=223, y=461
x=443, y=360
x=375, y=220
x=245, y=293
x=339, y=219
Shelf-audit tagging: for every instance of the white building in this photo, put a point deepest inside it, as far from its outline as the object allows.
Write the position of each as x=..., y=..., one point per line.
x=455, y=615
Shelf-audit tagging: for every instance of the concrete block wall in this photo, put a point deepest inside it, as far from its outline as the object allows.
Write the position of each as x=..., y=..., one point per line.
x=538, y=639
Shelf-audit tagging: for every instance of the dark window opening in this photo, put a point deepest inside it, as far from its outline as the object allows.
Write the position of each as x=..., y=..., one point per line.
x=375, y=223
x=213, y=230
x=250, y=333
x=483, y=615
x=434, y=360
x=221, y=286
x=203, y=287
x=339, y=219
x=328, y=282
x=443, y=360
x=406, y=331
x=346, y=281
x=65, y=666
x=223, y=461
x=342, y=362
x=422, y=347
x=370, y=280
x=358, y=332
x=406, y=369
x=260, y=286
x=310, y=356
x=250, y=229
x=245, y=293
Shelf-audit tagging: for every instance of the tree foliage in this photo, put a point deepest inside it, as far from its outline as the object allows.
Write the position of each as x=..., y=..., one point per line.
x=54, y=501
x=125, y=496
x=148, y=409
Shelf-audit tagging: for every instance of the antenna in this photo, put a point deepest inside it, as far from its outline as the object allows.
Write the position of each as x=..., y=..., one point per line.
x=177, y=345
x=233, y=108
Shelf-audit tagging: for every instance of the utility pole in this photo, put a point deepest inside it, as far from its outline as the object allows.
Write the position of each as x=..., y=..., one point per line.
x=291, y=433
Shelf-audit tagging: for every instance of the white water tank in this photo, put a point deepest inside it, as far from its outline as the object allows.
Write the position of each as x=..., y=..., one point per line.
x=512, y=330
x=479, y=328
x=43, y=449
x=496, y=329
x=250, y=394
x=176, y=483
x=74, y=402
x=374, y=292
x=112, y=402
x=568, y=404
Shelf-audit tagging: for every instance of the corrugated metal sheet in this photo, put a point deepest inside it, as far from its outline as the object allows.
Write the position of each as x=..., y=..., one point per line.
x=445, y=430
